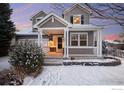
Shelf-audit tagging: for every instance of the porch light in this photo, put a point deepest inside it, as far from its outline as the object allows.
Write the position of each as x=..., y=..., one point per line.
x=50, y=43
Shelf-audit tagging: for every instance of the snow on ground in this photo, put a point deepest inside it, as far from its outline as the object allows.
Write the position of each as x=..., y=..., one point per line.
x=4, y=63
x=81, y=75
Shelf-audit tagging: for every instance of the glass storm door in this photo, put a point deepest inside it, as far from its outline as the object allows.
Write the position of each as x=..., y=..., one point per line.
x=59, y=42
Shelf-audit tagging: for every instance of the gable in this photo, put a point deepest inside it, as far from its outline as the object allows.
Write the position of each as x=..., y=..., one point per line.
x=52, y=23
x=37, y=15
x=55, y=19
x=77, y=7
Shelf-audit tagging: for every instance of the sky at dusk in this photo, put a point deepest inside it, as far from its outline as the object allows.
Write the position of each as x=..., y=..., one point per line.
x=22, y=13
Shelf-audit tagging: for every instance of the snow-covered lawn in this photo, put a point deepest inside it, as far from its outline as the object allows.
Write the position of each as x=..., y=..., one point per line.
x=81, y=75
x=4, y=63
x=75, y=75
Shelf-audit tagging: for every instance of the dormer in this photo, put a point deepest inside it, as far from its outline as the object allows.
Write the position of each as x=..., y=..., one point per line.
x=77, y=14
x=38, y=16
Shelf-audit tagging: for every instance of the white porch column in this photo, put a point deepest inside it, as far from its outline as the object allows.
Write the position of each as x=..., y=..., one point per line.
x=38, y=37
x=67, y=40
x=99, y=43
x=65, y=44
x=41, y=39
x=100, y=46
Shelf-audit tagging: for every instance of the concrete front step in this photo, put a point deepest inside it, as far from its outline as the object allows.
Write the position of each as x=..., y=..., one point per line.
x=53, y=61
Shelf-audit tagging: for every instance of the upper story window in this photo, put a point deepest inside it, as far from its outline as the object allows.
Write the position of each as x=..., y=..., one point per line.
x=38, y=19
x=77, y=19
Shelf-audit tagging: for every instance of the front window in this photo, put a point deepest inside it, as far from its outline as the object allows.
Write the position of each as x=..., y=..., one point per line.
x=79, y=39
x=83, y=39
x=74, y=39
x=77, y=19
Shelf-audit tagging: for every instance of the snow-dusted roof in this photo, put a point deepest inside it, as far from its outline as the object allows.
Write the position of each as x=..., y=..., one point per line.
x=85, y=26
x=80, y=6
x=26, y=33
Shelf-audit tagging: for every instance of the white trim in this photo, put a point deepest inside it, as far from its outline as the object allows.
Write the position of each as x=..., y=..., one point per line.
x=55, y=28
x=78, y=16
x=56, y=16
x=37, y=13
x=79, y=33
x=67, y=41
x=80, y=6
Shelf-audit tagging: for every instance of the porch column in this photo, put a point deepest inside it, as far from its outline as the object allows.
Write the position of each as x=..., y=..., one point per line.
x=99, y=43
x=38, y=37
x=67, y=41
x=41, y=39
x=65, y=44
x=100, y=46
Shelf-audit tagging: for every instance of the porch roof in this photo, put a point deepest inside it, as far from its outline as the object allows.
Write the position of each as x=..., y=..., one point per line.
x=88, y=27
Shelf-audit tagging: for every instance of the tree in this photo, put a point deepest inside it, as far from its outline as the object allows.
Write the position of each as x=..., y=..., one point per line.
x=105, y=11
x=7, y=28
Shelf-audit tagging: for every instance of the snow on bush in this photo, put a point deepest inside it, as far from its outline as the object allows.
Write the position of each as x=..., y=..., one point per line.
x=27, y=57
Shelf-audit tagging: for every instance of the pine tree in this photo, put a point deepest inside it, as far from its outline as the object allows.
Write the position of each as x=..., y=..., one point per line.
x=7, y=28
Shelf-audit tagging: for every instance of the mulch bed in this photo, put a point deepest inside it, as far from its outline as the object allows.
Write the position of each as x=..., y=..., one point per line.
x=111, y=63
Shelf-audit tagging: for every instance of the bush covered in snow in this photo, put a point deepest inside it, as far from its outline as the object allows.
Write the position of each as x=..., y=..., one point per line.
x=27, y=57
x=10, y=77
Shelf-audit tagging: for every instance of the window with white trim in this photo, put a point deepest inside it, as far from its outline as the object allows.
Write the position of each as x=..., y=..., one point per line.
x=77, y=19
x=79, y=39
x=74, y=39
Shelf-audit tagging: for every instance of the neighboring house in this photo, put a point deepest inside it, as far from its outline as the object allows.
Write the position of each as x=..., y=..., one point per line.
x=70, y=35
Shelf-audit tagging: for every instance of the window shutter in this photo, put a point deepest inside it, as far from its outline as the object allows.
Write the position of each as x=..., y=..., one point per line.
x=71, y=19
x=82, y=19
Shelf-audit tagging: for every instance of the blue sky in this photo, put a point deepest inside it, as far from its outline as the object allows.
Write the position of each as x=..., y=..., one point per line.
x=22, y=13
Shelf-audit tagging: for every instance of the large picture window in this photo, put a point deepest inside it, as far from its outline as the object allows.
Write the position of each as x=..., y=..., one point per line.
x=79, y=39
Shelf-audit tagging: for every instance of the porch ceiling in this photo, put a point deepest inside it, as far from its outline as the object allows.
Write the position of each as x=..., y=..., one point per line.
x=52, y=31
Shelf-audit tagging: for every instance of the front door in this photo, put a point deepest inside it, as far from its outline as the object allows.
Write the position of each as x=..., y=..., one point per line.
x=59, y=42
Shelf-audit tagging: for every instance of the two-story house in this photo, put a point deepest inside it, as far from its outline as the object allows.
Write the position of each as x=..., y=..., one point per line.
x=70, y=35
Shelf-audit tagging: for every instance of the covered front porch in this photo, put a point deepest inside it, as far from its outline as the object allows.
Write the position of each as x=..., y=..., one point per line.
x=66, y=43
x=52, y=41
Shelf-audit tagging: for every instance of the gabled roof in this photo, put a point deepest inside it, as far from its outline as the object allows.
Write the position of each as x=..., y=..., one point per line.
x=55, y=16
x=35, y=14
x=80, y=6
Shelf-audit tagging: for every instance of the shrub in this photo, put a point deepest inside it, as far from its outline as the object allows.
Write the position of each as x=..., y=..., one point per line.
x=27, y=57
x=9, y=77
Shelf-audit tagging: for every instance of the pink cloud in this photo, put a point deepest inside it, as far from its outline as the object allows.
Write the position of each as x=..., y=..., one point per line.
x=111, y=37
x=23, y=8
x=23, y=26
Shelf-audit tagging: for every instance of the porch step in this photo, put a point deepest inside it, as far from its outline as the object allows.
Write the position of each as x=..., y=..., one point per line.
x=53, y=61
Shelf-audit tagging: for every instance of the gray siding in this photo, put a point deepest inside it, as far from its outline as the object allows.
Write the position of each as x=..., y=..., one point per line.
x=77, y=11
x=56, y=23
x=80, y=51
x=40, y=14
